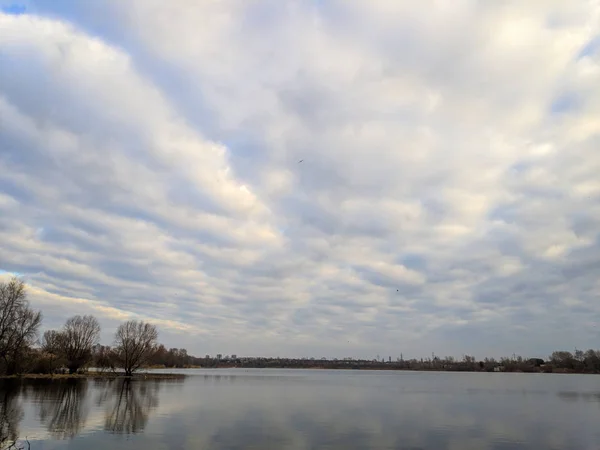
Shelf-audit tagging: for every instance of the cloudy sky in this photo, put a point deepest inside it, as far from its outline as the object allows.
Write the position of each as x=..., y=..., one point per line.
x=448, y=200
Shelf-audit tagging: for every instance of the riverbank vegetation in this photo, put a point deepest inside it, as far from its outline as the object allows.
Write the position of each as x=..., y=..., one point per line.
x=74, y=349
x=95, y=375
x=558, y=362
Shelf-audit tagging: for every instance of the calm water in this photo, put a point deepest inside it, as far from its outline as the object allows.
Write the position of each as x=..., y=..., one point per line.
x=287, y=409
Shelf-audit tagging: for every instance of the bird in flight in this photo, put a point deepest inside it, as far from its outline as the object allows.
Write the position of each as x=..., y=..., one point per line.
x=300, y=161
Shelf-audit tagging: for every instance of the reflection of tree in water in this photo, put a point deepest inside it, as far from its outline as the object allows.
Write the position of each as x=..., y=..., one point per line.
x=11, y=413
x=62, y=406
x=130, y=404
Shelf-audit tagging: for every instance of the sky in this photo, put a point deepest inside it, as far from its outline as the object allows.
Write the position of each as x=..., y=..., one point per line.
x=448, y=198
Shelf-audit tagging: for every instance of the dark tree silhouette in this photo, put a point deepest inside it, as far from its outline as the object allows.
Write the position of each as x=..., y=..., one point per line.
x=135, y=343
x=51, y=357
x=75, y=341
x=18, y=326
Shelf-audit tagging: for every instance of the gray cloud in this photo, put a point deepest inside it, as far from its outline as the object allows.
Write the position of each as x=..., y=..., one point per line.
x=448, y=197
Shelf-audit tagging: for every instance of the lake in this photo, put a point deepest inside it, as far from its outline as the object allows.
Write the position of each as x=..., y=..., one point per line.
x=307, y=409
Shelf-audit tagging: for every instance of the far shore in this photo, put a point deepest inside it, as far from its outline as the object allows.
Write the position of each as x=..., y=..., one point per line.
x=537, y=370
x=151, y=375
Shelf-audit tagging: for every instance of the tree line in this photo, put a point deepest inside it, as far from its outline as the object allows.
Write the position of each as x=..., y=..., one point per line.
x=558, y=362
x=75, y=347
x=70, y=348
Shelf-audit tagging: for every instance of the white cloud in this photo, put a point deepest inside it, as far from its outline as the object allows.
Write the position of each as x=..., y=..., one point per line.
x=449, y=175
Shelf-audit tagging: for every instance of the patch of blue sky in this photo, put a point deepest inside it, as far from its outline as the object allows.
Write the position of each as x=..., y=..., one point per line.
x=520, y=167
x=12, y=272
x=413, y=261
x=564, y=103
x=590, y=48
x=15, y=9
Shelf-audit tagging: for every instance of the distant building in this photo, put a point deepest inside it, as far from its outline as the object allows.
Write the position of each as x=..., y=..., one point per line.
x=219, y=356
x=207, y=356
x=233, y=356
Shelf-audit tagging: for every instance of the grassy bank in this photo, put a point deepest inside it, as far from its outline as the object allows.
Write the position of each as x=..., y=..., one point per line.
x=96, y=375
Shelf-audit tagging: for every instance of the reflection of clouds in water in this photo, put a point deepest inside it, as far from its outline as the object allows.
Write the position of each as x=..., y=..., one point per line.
x=280, y=415
x=335, y=412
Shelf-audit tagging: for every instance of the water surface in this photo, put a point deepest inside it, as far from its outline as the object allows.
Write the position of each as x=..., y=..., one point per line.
x=306, y=409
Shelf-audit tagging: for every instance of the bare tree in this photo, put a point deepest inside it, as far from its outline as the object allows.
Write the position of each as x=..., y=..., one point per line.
x=18, y=325
x=135, y=344
x=563, y=360
x=51, y=342
x=103, y=357
x=52, y=348
x=76, y=340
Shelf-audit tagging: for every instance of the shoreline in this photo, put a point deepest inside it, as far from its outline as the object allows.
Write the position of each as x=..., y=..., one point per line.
x=151, y=375
x=392, y=369
x=95, y=375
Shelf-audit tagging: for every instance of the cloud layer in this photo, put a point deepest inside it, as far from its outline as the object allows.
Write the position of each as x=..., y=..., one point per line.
x=448, y=197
